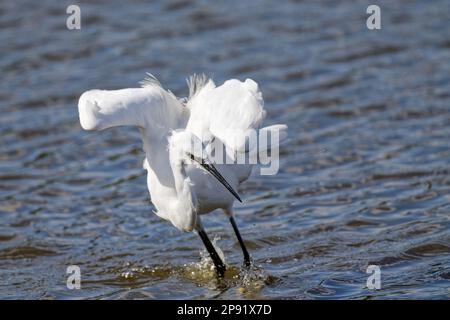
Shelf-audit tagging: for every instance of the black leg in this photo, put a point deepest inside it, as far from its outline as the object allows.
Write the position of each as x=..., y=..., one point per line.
x=247, y=260
x=220, y=266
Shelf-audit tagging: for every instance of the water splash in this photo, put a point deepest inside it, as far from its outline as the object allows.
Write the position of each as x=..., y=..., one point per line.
x=248, y=281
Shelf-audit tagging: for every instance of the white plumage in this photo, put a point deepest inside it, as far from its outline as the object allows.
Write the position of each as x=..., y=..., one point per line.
x=181, y=189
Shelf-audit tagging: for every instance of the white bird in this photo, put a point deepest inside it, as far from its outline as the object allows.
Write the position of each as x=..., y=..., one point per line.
x=183, y=181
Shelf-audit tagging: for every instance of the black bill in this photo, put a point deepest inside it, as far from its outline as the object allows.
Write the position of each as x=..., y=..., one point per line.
x=213, y=171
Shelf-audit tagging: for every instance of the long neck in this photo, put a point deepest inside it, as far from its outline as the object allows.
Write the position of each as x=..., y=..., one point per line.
x=183, y=212
x=169, y=186
x=167, y=179
x=181, y=180
x=183, y=184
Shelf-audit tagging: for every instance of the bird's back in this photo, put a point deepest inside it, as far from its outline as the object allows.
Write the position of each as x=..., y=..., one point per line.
x=226, y=114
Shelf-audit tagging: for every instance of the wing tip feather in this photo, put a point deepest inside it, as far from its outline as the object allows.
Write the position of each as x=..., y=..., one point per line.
x=150, y=81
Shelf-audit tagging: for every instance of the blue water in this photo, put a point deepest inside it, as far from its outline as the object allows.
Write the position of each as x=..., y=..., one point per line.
x=363, y=180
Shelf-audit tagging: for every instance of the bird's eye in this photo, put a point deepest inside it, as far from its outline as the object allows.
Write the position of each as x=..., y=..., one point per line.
x=197, y=159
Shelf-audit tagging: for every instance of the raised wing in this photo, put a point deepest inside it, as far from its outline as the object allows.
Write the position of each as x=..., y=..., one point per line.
x=227, y=112
x=151, y=108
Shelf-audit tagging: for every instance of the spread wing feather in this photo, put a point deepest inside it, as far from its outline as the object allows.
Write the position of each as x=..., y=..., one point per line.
x=226, y=112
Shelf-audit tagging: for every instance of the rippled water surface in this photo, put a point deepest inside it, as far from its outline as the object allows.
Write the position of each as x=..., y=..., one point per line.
x=364, y=179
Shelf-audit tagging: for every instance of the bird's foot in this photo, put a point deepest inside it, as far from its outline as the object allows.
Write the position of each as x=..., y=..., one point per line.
x=248, y=262
x=220, y=270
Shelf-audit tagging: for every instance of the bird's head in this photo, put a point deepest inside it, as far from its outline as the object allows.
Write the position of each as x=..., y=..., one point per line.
x=186, y=148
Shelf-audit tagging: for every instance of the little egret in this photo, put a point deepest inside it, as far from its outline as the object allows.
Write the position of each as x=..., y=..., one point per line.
x=183, y=182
